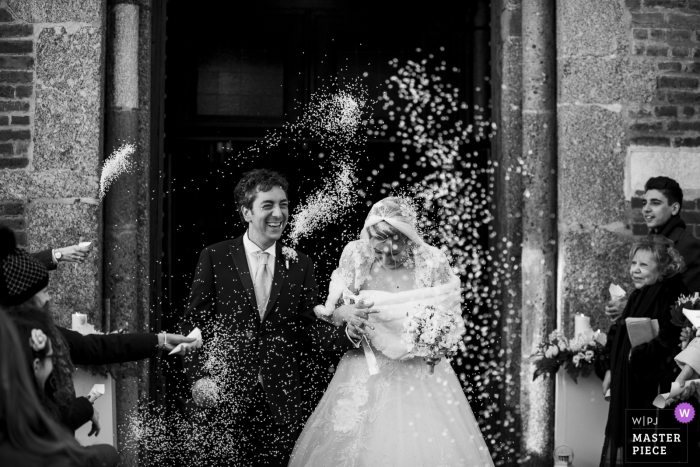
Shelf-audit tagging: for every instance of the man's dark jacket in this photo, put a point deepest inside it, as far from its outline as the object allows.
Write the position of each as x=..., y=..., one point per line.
x=222, y=300
x=689, y=248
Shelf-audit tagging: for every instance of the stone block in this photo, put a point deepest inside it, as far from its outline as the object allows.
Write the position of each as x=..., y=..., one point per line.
x=13, y=162
x=591, y=27
x=16, y=47
x=591, y=261
x=74, y=287
x=16, y=30
x=16, y=63
x=606, y=80
x=58, y=11
x=591, y=166
x=682, y=165
x=48, y=184
x=67, y=130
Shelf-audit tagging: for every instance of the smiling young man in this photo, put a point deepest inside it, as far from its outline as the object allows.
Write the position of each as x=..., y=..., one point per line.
x=663, y=199
x=261, y=302
x=661, y=207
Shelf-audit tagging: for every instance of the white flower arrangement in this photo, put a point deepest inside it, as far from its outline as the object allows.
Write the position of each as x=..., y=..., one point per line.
x=289, y=254
x=433, y=332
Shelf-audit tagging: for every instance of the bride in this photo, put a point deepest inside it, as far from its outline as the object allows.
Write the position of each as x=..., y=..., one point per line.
x=383, y=407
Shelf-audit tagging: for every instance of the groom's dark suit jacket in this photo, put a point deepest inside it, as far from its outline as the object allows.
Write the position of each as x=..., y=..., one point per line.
x=223, y=299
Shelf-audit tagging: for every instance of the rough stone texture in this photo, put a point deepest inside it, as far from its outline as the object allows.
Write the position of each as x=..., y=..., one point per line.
x=598, y=80
x=539, y=253
x=50, y=184
x=74, y=288
x=507, y=105
x=68, y=107
x=591, y=166
x=124, y=64
x=590, y=28
x=683, y=165
x=592, y=260
x=57, y=11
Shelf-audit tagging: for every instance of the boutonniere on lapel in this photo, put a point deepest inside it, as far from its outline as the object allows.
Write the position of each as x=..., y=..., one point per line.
x=289, y=254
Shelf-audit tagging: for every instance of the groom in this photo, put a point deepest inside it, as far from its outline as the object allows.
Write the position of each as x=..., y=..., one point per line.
x=264, y=300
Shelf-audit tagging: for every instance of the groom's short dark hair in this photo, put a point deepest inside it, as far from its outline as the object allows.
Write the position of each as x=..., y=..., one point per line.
x=254, y=181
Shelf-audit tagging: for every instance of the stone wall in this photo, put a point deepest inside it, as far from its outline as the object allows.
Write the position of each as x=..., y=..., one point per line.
x=666, y=33
x=51, y=86
x=627, y=110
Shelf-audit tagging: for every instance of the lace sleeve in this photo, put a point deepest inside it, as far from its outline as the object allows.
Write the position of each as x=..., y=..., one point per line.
x=433, y=268
x=345, y=266
x=354, y=264
x=443, y=271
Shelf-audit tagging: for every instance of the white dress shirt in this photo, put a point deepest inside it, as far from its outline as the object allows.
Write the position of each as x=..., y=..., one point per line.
x=250, y=253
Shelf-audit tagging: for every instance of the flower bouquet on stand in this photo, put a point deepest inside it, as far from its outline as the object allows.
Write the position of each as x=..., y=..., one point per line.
x=584, y=349
x=551, y=354
x=433, y=332
x=575, y=356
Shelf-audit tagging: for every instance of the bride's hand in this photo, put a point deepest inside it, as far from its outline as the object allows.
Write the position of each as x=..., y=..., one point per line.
x=354, y=314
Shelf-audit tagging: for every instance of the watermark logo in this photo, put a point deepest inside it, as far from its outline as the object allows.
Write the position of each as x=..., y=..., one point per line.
x=684, y=412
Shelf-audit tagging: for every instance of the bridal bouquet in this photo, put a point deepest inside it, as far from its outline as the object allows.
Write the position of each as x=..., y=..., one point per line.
x=575, y=356
x=433, y=332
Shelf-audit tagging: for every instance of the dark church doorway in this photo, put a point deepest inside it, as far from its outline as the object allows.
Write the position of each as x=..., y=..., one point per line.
x=231, y=72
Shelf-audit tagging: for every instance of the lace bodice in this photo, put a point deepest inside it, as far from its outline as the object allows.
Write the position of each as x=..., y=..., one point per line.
x=429, y=263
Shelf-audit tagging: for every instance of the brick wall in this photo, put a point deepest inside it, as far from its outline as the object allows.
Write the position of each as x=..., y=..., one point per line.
x=667, y=34
x=16, y=92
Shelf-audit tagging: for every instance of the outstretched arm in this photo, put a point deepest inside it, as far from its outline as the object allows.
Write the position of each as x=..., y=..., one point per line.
x=200, y=310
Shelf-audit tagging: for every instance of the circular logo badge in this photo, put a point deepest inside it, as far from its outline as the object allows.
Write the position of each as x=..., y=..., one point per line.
x=684, y=412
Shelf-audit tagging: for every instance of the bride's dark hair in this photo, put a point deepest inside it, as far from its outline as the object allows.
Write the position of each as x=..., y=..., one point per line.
x=23, y=420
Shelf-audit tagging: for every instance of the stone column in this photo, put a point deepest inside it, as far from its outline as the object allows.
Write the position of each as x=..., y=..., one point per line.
x=539, y=258
x=506, y=90
x=121, y=204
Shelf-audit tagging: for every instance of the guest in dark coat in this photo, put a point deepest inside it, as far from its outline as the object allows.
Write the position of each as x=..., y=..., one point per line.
x=633, y=375
x=663, y=199
x=29, y=437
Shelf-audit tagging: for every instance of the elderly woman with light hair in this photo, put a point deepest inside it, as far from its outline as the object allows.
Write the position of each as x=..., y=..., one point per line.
x=634, y=375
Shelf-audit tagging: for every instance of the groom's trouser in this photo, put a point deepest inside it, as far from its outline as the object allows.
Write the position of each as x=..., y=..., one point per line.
x=262, y=441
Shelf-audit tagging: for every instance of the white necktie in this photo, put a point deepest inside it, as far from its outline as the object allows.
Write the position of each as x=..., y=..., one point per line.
x=263, y=282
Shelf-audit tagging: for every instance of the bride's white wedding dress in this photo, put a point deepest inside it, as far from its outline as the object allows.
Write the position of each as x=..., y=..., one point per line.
x=402, y=416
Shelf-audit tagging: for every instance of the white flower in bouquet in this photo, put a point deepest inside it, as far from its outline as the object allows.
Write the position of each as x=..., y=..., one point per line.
x=576, y=359
x=433, y=332
x=552, y=351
